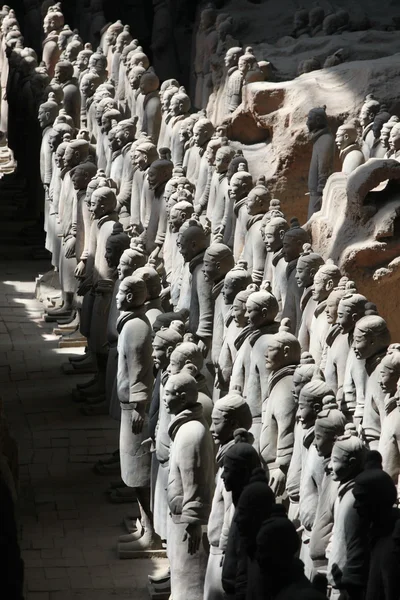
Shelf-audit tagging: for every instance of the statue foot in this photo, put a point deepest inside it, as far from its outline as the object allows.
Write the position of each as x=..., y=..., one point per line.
x=163, y=577
x=78, y=368
x=79, y=357
x=123, y=496
x=100, y=408
x=72, y=321
x=87, y=384
x=63, y=311
x=54, y=318
x=148, y=541
x=134, y=535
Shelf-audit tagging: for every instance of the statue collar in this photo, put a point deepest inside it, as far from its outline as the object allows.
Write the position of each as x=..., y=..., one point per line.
x=116, y=153
x=252, y=220
x=179, y=118
x=193, y=413
x=307, y=293
x=242, y=336
x=277, y=257
x=367, y=130
x=345, y=487
x=217, y=288
x=276, y=376
x=346, y=151
x=270, y=329
x=317, y=134
x=333, y=333
x=228, y=317
x=232, y=70
x=51, y=37
x=124, y=317
x=164, y=377
x=153, y=303
x=372, y=362
x=110, y=217
x=149, y=97
x=222, y=450
x=291, y=266
x=308, y=437
x=238, y=205
x=71, y=81
x=196, y=261
x=320, y=308
x=126, y=148
x=390, y=403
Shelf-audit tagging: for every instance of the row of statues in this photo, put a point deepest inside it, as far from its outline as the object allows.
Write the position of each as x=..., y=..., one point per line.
x=256, y=388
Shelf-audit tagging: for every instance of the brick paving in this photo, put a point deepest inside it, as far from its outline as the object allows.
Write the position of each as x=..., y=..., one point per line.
x=69, y=529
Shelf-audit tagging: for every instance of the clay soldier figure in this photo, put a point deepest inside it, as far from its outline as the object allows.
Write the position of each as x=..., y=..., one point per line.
x=394, y=142
x=64, y=36
x=277, y=432
x=254, y=250
x=195, y=162
x=122, y=167
x=143, y=154
x=196, y=291
x=389, y=443
x=368, y=112
x=378, y=150
x=190, y=486
x=292, y=245
x=325, y=280
x=375, y=496
x=235, y=217
x=350, y=151
x=229, y=414
x=180, y=107
x=233, y=83
x=329, y=425
x=82, y=61
x=385, y=134
x=89, y=82
x=124, y=38
x=306, y=268
x=348, y=554
x=370, y=341
x=323, y=154
x=342, y=369
x=52, y=26
x=301, y=23
x=273, y=233
x=151, y=120
x=64, y=75
x=134, y=384
x=73, y=48
x=316, y=19
x=48, y=112
x=236, y=324
x=219, y=188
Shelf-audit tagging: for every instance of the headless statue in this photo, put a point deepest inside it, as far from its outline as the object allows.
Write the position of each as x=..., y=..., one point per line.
x=390, y=435
x=322, y=158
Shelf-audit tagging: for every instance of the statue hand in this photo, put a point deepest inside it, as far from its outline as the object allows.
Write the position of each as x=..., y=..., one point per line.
x=193, y=537
x=277, y=482
x=198, y=209
x=204, y=346
x=137, y=420
x=165, y=293
x=84, y=287
x=155, y=253
x=80, y=270
x=70, y=248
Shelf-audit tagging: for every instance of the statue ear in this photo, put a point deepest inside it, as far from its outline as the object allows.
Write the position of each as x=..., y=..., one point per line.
x=329, y=285
x=129, y=297
x=281, y=234
x=286, y=351
x=169, y=351
x=312, y=272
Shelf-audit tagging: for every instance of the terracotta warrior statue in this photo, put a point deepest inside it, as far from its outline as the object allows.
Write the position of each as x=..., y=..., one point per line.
x=218, y=197
x=121, y=167
x=394, y=142
x=190, y=486
x=234, y=80
x=323, y=154
x=370, y=341
x=273, y=234
x=143, y=154
x=82, y=61
x=389, y=445
x=306, y=268
x=150, y=120
x=236, y=216
x=64, y=75
x=53, y=23
x=278, y=420
x=350, y=151
x=368, y=112
x=48, y=112
x=179, y=213
x=378, y=150
x=179, y=110
x=229, y=414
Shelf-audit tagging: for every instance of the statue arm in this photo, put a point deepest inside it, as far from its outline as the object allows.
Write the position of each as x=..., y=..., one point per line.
x=206, y=309
x=162, y=224
x=285, y=413
x=259, y=257
x=153, y=110
x=325, y=163
x=194, y=476
x=371, y=423
x=125, y=193
x=353, y=574
x=225, y=364
x=138, y=360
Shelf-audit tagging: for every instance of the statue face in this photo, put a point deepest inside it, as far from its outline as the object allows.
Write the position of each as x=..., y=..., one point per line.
x=304, y=274
x=87, y=88
x=323, y=441
x=319, y=289
x=97, y=207
x=363, y=344
x=306, y=412
x=221, y=428
x=341, y=464
x=176, y=220
x=297, y=385
x=239, y=313
x=366, y=117
x=134, y=80
x=211, y=268
x=44, y=117
x=230, y=288
x=313, y=122
x=394, y=139
x=54, y=141
x=160, y=356
x=388, y=378
x=331, y=310
x=184, y=132
x=233, y=476
x=59, y=158
x=276, y=355
x=200, y=136
x=342, y=139
x=112, y=254
x=345, y=318
x=79, y=179
x=176, y=106
x=222, y=161
x=82, y=61
x=291, y=247
x=60, y=74
x=154, y=176
x=125, y=268
x=231, y=59
x=243, y=65
x=188, y=245
x=124, y=298
x=140, y=160
x=71, y=158
x=173, y=399
x=273, y=238
x=254, y=313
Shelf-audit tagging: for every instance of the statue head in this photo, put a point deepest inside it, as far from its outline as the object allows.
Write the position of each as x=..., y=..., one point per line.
x=236, y=280
x=262, y=307
x=139, y=59
x=54, y=19
x=346, y=135
x=167, y=97
x=123, y=39
x=82, y=174
x=180, y=392
x=104, y=104
x=232, y=57
x=164, y=343
x=109, y=119
x=316, y=16
x=351, y=308
x=294, y=240
x=238, y=163
x=131, y=294
x=149, y=82
x=192, y=239
x=317, y=119
x=64, y=71
x=203, y=130
x=98, y=62
x=229, y=414
x=57, y=133
x=240, y=460
x=185, y=355
x=283, y=349
x=64, y=37
x=389, y=370
x=168, y=84
x=75, y=46
x=180, y=102
x=179, y=214
x=125, y=132
x=131, y=259
x=386, y=130
x=394, y=138
x=83, y=58
x=305, y=372
x=239, y=306
x=48, y=112
x=241, y=183
x=152, y=280
x=144, y=154
x=186, y=128
x=218, y=260
x=274, y=233
x=308, y=264
x=381, y=118
x=76, y=152
x=311, y=401
x=207, y=18
x=247, y=61
x=371, y=336
x=135, y=75
x=325, y=280
x=329, y=425
x=60, y=152
x=113, y=32
x=117, y=242
x=257, y=202
x=89, y=83
x=333, y=300
x=348, y=455
x=102, y=202
x=374, y=492
x=160, y=171
x=369, y=110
